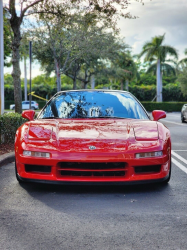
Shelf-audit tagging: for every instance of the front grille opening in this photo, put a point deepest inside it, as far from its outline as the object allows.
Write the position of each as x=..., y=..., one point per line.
x=37, y=169
x=93, y=165
x=92, y=173
x=147, y=169
x=92, y=169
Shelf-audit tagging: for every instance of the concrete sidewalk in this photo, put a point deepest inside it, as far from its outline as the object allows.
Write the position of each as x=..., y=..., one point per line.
x=7, y=158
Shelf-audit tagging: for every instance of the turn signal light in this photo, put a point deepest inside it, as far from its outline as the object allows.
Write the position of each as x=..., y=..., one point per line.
x=149, y=154
x=36, y=154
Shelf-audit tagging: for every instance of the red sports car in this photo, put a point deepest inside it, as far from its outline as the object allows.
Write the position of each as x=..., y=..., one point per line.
x=98, y=136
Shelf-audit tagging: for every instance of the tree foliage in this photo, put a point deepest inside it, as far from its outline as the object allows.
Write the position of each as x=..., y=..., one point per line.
x=19, y=9
x=183, y=62
x=182, y=78
x=74, y=45
x=7, y=40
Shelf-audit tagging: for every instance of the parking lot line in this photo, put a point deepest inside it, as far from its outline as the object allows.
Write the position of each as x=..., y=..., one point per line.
x=181, y=124
x=180, y=150
x=179, y=165
x=179, y=157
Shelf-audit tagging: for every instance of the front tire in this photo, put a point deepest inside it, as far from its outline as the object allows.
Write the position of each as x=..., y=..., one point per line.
x=182, y=119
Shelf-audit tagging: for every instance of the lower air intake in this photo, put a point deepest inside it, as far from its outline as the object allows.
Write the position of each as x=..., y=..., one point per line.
x=37, y=169
x=147, y=169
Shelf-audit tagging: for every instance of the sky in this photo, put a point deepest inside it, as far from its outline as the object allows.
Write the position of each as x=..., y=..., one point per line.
x=156, y=17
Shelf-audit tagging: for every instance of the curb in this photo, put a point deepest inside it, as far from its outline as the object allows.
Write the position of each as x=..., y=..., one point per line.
x=7, y=158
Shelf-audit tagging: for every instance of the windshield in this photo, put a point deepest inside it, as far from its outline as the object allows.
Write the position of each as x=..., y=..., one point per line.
x=93, y=104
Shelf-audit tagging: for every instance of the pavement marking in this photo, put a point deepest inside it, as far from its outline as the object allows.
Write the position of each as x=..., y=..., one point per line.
x=176, y=115
x=179, y=165
x=179, y=150
x=181, y=124
x=179, y=157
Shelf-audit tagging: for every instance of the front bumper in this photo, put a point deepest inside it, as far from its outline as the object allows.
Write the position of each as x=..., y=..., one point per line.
x=87, y=175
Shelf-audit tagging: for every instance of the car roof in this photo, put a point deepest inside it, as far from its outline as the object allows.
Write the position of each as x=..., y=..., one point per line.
x=93, y=90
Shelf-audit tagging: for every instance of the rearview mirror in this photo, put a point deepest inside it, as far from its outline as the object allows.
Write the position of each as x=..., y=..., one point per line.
x=28, y=114
x=158, y=114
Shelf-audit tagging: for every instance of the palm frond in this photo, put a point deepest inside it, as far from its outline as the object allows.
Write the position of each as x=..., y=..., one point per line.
x=182, y=61
x=150, y=53
x=152, y=68
x=158, y=40
x=174, y=62
x=169, y=50
x=148, y=45
x=143, y=52
x=167, y=69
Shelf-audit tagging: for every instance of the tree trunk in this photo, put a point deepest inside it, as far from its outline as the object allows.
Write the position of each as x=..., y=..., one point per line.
x=127, y=84
x=158, y=77
x=93, y=82
x=121, y=85
x=85, y=85
x=74, y=83
x=58, y=76
x=16, y=73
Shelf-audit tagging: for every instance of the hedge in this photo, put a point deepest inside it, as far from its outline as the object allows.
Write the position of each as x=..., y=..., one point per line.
x=171, y=93
x=9, y=123
x=166, y=106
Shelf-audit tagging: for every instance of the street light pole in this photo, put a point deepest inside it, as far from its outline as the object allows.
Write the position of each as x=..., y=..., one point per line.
x=1, y=60
x=30, y=57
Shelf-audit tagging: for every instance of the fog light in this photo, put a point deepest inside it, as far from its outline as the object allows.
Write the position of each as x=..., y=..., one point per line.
x=149, y=154
x=36, y=154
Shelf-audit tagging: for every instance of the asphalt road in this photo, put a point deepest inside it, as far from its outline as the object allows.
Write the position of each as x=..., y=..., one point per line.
x=98, y=217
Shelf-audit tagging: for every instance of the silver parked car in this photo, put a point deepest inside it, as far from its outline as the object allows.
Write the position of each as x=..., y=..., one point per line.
x=25, y=105
x=184, y=113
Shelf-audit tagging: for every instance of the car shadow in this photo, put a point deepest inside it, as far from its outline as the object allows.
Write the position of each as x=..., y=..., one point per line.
x=88, y=199
x=94, y=188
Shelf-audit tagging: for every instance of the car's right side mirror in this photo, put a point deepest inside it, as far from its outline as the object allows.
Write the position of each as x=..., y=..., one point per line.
x=158, y=114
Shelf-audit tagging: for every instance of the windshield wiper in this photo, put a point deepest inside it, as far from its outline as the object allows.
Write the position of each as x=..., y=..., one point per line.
x=50, y=117
x=108, y=117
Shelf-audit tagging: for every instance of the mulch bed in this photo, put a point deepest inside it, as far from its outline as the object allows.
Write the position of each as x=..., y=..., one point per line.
x=6, y=148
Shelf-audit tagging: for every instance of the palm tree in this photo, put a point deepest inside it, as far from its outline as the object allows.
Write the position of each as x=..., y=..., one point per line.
x=183, y=62
x=155, y=50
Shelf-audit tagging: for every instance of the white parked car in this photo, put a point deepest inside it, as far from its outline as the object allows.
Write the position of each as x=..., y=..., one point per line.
x=25, y=105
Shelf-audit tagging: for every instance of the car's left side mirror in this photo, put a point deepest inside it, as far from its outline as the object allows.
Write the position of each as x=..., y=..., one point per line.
x=158, y=114
x=28, y=114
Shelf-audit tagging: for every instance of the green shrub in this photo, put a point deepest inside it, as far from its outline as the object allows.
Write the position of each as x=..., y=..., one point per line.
x=171, y=93
x=166, y=106
x=9, y=123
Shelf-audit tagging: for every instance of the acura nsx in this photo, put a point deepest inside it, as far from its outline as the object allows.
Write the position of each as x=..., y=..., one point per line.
x=93, y=136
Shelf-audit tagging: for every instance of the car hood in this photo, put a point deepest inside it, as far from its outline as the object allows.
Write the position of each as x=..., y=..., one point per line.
x=93, y=129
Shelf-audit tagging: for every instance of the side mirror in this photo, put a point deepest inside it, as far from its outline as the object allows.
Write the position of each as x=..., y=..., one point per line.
x=158, y=114
x=28, y=114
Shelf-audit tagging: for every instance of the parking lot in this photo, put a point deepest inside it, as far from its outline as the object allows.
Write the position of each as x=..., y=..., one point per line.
x=98, y=217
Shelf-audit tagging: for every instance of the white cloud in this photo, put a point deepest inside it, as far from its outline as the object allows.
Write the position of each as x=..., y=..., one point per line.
x=156, y=18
